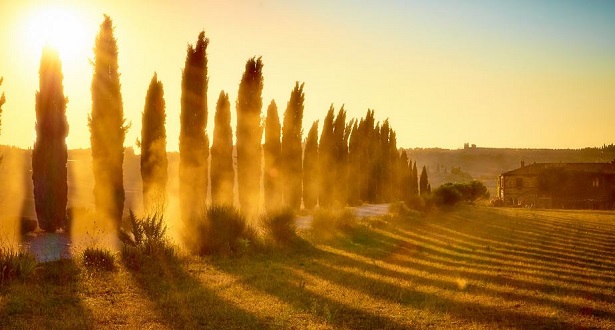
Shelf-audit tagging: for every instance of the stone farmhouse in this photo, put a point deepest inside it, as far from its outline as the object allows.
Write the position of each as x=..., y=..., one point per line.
x=559, y=185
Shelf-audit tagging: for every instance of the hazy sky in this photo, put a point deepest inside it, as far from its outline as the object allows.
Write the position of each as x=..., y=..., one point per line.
x=522, y=73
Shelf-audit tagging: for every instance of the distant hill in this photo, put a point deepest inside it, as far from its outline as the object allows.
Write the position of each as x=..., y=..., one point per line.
x=486, y=164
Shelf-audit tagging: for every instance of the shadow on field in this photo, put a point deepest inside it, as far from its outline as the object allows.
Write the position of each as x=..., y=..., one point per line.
x=473, y=268
x=184, y=303
x=50, y=301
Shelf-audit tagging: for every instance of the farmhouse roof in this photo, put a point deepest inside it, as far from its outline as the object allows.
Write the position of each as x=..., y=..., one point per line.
x=537, y=168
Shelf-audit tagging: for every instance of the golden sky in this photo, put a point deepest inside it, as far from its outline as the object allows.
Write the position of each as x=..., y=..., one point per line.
x=500, y=74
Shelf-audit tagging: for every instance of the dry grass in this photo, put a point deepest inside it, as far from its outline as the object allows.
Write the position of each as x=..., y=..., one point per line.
x=472, y=268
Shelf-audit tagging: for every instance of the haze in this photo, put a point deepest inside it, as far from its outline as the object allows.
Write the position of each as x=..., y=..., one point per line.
x=505, y=74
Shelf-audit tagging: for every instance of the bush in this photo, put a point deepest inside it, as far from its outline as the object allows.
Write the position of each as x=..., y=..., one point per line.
x=328, y=220
x=27, y=225
x=496, y=202
x=220, y=229
x=145, y=240
x=98, y=258
x=447, y=195
x=280, y=225
x=16, y=264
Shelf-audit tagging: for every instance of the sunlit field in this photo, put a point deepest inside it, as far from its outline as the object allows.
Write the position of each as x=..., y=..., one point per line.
x=473, y=267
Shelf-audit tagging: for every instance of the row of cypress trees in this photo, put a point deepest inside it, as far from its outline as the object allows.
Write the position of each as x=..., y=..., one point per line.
x=353, y=161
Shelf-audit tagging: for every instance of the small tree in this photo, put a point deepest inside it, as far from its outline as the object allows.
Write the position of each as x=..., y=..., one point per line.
x=222, y=172
x=424, y=187
x=273, y=151
x=193, y=143
x=310, y=168
x=154, y=146
x=249, y=132
x=107, y=126
x=291, y=148
x=50, y=154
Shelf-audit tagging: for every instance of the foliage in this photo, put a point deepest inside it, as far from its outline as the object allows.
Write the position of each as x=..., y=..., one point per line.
x=107, y=126
x=50, y=155
x=447, y=195
x=424, y=182
x=145, y=239
x=310, y=168
x=326, y=160
x=280, y=225
x=291, y=156
x=249, y=132
x=222, y=172
x=15, y=264
x=328, y=221
x=193, y=142
x=153, y=145
x=99, y=258
x=272, y=175
x=27, y=225
x=220, y=229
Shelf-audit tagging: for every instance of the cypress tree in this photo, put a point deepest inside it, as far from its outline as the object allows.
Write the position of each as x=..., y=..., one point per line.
x=405, y=177
x=249, y=132
x=340, y=164
x=354, y=165
x=424, y=182
x=273, y=151
x=50, y=155
x=394, y=177
x=291, y=148
x=193, y=142
x=2, y=100
x=107, y=126
x=414, y=180
x=154, y=161
x=310, y=168
x=326, y=159
x=222, y=172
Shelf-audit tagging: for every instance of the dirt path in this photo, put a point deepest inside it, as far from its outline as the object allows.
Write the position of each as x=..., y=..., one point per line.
x=366, y=210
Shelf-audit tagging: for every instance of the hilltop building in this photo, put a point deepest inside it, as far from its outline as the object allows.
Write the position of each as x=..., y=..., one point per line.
x=559, y=185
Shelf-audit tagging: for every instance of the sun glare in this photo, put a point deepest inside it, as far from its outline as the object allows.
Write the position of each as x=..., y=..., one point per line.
x=58, y=27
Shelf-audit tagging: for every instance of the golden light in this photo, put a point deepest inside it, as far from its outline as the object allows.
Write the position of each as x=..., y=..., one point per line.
x=59, y=27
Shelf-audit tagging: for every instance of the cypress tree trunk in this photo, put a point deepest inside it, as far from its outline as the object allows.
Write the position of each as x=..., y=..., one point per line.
x=193, y=143
x=222, y=172
x=107, y=127
x=249, y=132
x=49, y=155
x=272, y=155
x=153, y=148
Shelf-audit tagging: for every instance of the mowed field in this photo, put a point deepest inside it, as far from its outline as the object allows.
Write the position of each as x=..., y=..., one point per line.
x=471, y=267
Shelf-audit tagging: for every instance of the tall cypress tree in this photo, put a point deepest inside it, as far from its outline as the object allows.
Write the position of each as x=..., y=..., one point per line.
x=291, y=148
x=50, y=155
x=2, y=100
x=424, y=182
x=405, y=177
x=272, y=157
x=326, y=159
x=414, y=180
x=107, y=126
x=222, y=172
x=341, y=134
x=193, y=143
x=249, y=132
x=154, y=161
x=310, y=168
x=354, y=165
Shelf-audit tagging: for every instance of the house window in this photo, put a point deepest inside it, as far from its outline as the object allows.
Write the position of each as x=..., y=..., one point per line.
x=519, y=182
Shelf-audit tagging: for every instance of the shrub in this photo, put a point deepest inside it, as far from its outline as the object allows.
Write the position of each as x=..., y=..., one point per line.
x=27, y=225
x=145, y=239
x=447, y=195
x=496, y=202
x=328, y=221
x=15, y=264
x=220, y=229
x=98, y=258
x=280, y=225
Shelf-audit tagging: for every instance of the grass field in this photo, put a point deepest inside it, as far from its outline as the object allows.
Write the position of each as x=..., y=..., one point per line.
x=473, y=267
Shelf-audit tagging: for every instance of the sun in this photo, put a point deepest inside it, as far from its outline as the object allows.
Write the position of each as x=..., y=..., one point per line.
x=59, y=27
